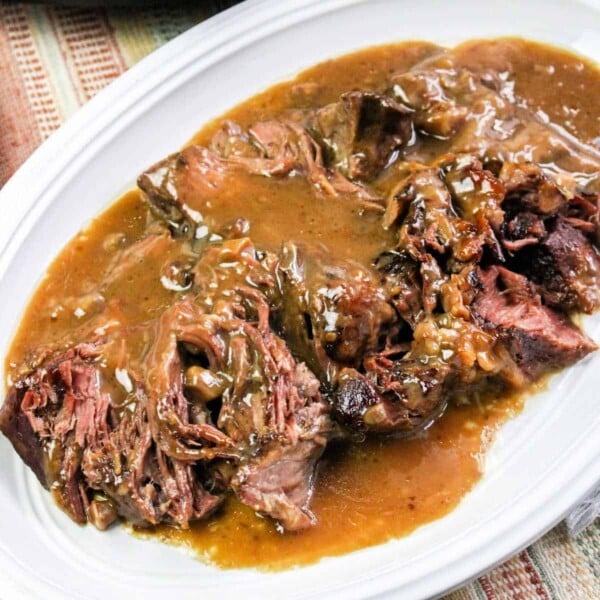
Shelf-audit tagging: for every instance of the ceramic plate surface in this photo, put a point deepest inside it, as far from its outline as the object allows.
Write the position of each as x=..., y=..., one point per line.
x=543, y=462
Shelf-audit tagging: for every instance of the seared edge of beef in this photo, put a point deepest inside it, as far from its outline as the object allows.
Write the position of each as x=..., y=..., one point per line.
x=15, y=425
x=538, y=338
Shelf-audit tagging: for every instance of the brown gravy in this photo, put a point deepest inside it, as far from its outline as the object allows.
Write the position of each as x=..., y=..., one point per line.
x=367, y=493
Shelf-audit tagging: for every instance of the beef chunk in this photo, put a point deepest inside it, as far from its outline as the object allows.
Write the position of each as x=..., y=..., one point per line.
x=404, y=392
x=61, y=402
x=529, y=189
x=538, y=338
x=363, y=133
x=478, y=112
x=430, y=95
x=546, y=231
x=334, y=311
x=566, y=268
x=476, y=193
x=394, y=396
x=266, y=414
x=97, y=465
x=272, y=423
x=288, y=146
x=279, y=479
x=404, y=284
x=446, y=209
x=178, y=186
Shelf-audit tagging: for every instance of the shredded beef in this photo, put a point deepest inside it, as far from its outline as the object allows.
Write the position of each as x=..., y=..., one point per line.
x=261, y=356
x=178, y=185
x=92, y=455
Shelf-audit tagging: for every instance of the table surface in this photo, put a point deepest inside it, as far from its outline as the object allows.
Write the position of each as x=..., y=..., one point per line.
x=53, y=59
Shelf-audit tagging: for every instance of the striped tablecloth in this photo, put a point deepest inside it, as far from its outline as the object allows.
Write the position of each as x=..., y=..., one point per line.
x=52, y=60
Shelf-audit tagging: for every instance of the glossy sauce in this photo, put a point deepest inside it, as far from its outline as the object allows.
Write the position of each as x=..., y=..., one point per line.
x=366, y=493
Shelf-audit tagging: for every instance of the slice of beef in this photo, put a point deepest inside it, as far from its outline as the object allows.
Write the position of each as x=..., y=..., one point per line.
x=566, y=268
x=539, y=339
x=333, y=311
x=339, y=314
x=277, y=474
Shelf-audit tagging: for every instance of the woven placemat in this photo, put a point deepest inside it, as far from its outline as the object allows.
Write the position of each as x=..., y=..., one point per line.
x=53, y=60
